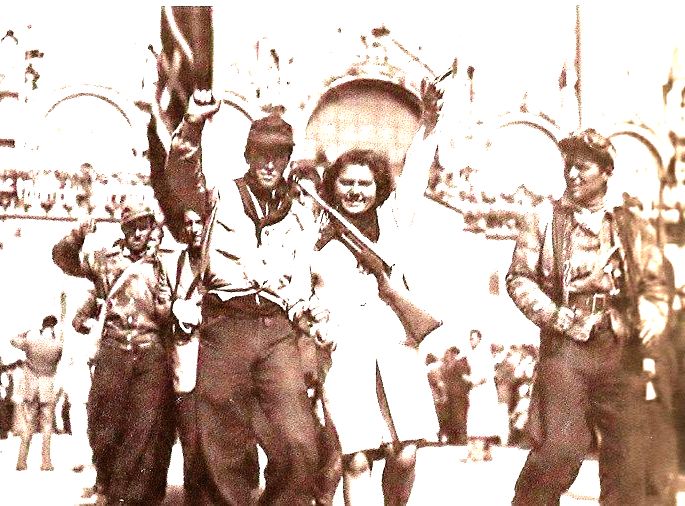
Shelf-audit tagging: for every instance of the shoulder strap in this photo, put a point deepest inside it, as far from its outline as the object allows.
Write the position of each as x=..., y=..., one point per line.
x=179, y=270
x=118, y=283
x=626, y=237
x=126, y=273
x=206, y=240
x=560, y=223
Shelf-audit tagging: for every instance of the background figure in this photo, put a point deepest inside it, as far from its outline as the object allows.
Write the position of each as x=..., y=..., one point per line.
x=450, y=394
x=6, y=392
x=43, y=351
x=185, y=273
x=660, y=367
x=376, y=390
x=483, y=426
x=517, y=375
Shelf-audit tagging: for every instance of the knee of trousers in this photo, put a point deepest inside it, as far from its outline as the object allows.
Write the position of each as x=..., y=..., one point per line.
x=300, y=451
x=559, y=458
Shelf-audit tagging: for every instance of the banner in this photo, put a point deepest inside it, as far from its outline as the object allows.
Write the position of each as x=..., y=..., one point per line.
x=183, y=64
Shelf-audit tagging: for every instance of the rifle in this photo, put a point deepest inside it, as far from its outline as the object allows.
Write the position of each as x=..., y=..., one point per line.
x=417, y=322
x=361, y=246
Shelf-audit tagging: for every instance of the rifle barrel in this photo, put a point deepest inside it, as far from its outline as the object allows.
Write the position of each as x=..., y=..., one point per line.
x=307, y=186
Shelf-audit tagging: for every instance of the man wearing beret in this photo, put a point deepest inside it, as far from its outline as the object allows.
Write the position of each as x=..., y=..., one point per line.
x=256, y=282
x=592, y=277
x=130, y=421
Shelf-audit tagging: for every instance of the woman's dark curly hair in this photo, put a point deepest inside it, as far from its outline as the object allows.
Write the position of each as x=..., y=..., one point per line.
x=377, y=162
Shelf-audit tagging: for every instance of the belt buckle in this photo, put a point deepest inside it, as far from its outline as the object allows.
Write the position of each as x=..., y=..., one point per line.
x=599, y=302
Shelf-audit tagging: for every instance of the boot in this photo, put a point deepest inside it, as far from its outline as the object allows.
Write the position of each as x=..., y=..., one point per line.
x=45, y=454
x=24, y=445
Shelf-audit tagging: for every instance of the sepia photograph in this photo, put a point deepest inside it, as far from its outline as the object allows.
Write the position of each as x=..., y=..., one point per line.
x=362, y=253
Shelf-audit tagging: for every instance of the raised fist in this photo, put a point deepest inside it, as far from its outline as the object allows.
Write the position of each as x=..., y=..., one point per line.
x=201, y=106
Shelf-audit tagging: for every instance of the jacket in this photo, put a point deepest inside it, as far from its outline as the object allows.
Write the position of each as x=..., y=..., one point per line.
x=534, y=280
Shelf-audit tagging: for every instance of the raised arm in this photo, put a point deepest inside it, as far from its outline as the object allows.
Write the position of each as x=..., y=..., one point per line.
x=183, y=169
x=20, y=341
x=67, y=252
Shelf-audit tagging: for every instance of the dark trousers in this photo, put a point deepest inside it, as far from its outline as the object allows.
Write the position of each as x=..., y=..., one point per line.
x=194, y=472
x=6, y=416
x=130, y=423
x=247, y=363
x=188, y=435
x=583, y=387
x=661, y=455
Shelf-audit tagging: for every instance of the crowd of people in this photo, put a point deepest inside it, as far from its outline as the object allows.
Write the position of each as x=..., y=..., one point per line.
x=289, y=323
x=60, y=194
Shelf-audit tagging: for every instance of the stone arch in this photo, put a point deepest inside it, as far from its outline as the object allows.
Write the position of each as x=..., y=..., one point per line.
x=389, y=125
x=535, y=121
x=110, y=96
x=133, y=120
x=641, y=162
x=521, y=148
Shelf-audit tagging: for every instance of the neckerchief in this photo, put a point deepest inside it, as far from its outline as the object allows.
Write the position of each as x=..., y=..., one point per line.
x=273, y=207
x=588, y=219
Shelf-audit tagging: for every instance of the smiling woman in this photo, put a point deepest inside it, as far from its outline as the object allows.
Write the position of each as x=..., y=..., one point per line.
x=374, y=367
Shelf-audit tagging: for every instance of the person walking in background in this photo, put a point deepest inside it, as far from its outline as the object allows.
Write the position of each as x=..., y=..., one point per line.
x=43, y=352
x=482, y=426
x=130, y=404
x=8, y=365
x=376, y=390
x=592, y=277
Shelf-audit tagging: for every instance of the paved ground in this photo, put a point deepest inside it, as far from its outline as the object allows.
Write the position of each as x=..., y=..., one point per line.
x=442, y=479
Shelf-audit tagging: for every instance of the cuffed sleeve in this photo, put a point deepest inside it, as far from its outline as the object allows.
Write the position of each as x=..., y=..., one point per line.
x=67, y=254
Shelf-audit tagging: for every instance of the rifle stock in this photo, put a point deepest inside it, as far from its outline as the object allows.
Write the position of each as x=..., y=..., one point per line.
x=417, y=322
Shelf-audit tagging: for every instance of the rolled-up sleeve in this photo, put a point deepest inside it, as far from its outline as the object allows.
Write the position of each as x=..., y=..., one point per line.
x=183, y=169
x=67, y=255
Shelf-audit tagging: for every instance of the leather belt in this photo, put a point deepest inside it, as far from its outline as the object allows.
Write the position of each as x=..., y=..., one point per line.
x=589, y=302
x=126, y=346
